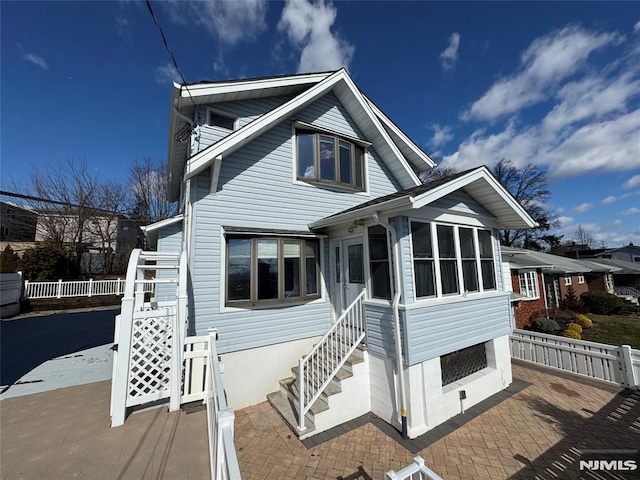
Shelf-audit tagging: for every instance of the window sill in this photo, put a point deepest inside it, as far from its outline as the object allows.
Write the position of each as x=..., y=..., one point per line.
x=433, y=301
x=332, y=186
x=529, y=299
x=271, y=306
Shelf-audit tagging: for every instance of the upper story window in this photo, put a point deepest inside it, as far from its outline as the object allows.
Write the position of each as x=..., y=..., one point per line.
x=448, y=259
x=218, y=119
x=329, y=159
x=529, y=284
x=266, y=270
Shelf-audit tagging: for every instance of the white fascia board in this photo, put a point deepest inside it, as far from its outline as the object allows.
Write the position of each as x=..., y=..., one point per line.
x=201, y=160
x=408, y=142
x=460, y=182
x=376, y=122
x=394, y=204
x=162, y=223
x=221, y=88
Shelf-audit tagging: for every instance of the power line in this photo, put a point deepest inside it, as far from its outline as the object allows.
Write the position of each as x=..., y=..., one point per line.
x=55, y=202
x=166, y=45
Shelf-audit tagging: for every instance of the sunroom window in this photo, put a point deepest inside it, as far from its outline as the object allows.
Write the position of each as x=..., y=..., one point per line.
x=271, y=270
x=463, y=258
x=329, y=159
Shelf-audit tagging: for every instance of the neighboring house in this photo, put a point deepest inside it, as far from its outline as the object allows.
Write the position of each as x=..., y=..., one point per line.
x=627, y=274
x=17, y=224
x=296, y=194
x=104, y=237
x=542, y=280
x=628, y=253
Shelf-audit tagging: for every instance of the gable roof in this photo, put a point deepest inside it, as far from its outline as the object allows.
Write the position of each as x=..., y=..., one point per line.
x=400, y=154
x=478, y=182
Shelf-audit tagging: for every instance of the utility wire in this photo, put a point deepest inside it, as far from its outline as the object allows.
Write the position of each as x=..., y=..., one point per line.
x=55, y=202
x=183, y=134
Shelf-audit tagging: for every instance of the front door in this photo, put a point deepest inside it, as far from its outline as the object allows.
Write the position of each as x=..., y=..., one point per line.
x=352, y=270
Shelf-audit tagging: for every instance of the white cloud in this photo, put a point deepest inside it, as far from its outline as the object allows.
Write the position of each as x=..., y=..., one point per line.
x=633, y=182
x=167, y=73
x=631, y=211
x=565, y=220
x=591, y=97
x=609, y=199
x=548, y=61
x=583, y=207
x=308, y=26
x=450, y=54
x=123, y=28
x=36, y=60
x=231, y=21
x=636, y=27
x=441, y=135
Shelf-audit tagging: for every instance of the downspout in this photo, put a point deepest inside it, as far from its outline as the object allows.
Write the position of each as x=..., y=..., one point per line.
x=396, y=319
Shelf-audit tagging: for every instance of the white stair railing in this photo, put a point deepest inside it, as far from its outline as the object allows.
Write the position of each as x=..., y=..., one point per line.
x=321, y=364
x=627, y=291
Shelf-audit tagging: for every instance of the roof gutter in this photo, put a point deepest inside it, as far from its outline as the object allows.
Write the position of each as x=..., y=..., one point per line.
x=399, y=203
x=396, y=319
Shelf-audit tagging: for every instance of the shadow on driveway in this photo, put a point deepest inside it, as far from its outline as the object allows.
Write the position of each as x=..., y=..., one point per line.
x=28, y=342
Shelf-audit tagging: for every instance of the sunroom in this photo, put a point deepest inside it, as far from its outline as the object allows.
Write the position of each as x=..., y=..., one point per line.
x=429, y=260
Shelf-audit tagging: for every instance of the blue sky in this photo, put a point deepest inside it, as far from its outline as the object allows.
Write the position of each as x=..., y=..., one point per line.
x=554, y=84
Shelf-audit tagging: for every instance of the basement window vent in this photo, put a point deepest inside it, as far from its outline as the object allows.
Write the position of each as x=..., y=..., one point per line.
x=462, y=363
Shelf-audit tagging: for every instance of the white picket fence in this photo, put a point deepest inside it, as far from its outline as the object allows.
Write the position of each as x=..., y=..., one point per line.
x=220, y=420
x=416, y=471
x=76, y=288
x=607, y=363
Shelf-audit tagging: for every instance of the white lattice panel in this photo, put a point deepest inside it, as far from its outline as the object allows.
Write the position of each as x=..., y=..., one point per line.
x=150, y=368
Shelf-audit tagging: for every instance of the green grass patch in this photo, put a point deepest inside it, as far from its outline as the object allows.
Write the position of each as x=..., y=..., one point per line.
x=613, y=330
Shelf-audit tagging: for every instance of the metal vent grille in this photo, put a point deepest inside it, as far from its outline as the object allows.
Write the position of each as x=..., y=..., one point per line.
x=462, y=363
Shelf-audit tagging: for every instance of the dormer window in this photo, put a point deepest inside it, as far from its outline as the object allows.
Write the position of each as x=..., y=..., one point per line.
x=218, y=119
x=330, y=159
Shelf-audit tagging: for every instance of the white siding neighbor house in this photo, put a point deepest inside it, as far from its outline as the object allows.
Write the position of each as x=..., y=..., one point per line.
x=308, y=235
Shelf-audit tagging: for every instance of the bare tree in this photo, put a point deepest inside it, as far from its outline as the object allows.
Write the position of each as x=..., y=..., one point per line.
x=150, y=187
x=437, y=173
x=106, y=222
x=528, y=185
x=72, y=186
x=582, y=237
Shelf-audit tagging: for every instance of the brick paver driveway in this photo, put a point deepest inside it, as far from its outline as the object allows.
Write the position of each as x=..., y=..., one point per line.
x=536, y=433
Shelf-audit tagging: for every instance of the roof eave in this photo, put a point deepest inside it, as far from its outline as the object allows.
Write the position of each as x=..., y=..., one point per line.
x=392, y=205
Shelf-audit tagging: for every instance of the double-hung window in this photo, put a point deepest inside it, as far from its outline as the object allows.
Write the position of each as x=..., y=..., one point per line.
x=448, y=259
x=379, y=262
x=529, y=284
x=581, y=279
x=262, y=270
x=329, y=159
x=567, y=280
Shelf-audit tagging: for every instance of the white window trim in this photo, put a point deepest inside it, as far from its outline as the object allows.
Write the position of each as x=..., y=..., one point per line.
x=436, y=259
x=567, y=280
x=580, y=279
x=236, y=122
x=533, y=276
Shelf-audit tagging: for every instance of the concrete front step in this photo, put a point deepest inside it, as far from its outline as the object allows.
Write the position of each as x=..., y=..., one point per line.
x=284, y=406
x=286, y=400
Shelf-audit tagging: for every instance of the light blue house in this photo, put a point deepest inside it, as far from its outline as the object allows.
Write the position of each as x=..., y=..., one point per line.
x=305, y=223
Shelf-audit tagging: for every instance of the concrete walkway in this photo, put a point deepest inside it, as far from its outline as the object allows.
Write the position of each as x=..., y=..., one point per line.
x=536, y=433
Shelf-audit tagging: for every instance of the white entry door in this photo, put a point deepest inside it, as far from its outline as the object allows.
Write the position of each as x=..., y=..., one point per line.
x=352, y=270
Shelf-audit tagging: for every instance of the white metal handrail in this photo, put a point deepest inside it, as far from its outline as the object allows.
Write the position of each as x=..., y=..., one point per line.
x=627, y=291
x=220, y=420
x=76, y=288
x=321, y=364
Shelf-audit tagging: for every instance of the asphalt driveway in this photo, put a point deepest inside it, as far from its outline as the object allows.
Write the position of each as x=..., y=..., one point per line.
x=27, y=342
